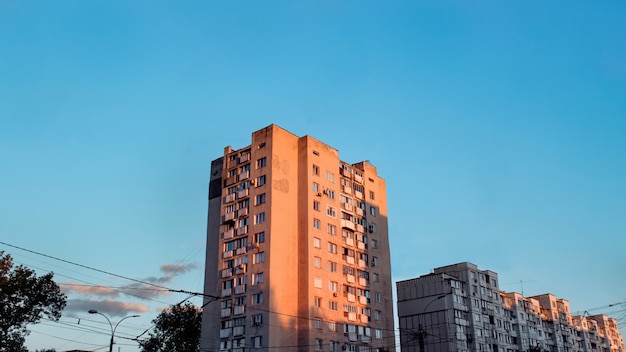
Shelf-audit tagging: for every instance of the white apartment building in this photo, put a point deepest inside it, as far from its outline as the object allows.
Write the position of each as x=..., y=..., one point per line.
x=459, y=308
x=297, y=250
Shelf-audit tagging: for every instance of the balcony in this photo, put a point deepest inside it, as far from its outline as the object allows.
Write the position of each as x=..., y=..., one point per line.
x=347, y=189
x=227, y=273
x=364, y=319
x=349, y=260
x=347, y=206
x=244, y=175
x=229, y=198
x=362, y=263
x=240, y=289
x=241, y=230
x=363, y=299
x=241, y=250
x=225, y=312
x=358, y=178
x=360, y=245
x=240, y=269
x=347, y=224
x=352, y=336
x=227, y=292
x=358, y=194
x=228, y=234
x=224, y=333
x=239, y=310
x=365, y=339
x=350, y=241
x=351, y=297
x=229, y=216
x=363, y=281
x=359, y=212
x=350, y=278
x=242, y=194
x=238, y=330
x=242, y=213
x=227, y=254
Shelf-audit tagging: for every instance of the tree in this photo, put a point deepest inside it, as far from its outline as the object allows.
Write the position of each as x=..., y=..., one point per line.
x=24, y=299
x=177, y=329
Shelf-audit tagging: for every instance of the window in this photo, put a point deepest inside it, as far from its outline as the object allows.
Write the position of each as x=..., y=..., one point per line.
x=261, y=180
x=317, y=243
x=376, y=277
x=334, y=346
x=330, y=193
x=373, y=211
x=317, y=262
x=372, y=228
x=374, y=244
x=258, y=257
x=333, y=305
x=316, y=170
x=332, y=326
x=256, y=341
x=377, y=297
x=332, y=267
x=259, y=218
x=261, y=163
x=330, y=176
x=318, y=344
x=372, y=195
x=374, y=261
x=260, y=199
x=257, y=298
x=317, y=323
x=331, y=229
x=332, y=248
x=378, y=333
x=377, y=314
x=317, y=302
x=316, y=224
x=316, y=187
x=333, y=286
x=317, y=282
x=316, y=205
x=257, y=319
x=261, y=146
x=259, y=237
x=257, y=278
x=331, y=211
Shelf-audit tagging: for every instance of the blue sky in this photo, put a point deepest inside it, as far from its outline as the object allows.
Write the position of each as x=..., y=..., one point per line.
x=499, y=127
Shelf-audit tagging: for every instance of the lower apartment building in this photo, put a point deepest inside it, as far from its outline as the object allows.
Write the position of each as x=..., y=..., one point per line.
x=297, y=250
x=460, y=308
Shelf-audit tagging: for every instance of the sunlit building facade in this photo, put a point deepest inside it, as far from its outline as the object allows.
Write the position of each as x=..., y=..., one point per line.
x=297, y=250
x=459, y=308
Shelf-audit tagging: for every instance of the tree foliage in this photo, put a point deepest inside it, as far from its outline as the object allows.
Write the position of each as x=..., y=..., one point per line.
x=177, y=329
x=24, y=299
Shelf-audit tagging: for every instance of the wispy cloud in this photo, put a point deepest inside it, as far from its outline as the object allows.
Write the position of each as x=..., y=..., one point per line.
x=176, y=269
x=107, y=306
x=148, y=288
x=90, y=290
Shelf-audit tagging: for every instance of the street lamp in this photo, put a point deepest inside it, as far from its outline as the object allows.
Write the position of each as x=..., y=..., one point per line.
x=421, y=333
x=93, y=311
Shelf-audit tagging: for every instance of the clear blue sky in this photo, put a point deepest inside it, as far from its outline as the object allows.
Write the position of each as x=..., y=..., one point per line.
x=500, y=127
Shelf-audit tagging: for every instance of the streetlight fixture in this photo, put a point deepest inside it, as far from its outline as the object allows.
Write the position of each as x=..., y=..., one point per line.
x=93, y=311
x=421, y=333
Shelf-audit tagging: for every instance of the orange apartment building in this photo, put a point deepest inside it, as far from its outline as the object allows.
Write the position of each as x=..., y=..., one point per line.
x=297, y=250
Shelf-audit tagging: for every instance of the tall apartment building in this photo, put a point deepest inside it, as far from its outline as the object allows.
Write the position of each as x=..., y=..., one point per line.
x=459, y=308
x=297, y=250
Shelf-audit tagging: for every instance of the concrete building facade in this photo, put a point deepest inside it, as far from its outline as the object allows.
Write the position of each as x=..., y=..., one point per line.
x=460, y=308
x=297, y=250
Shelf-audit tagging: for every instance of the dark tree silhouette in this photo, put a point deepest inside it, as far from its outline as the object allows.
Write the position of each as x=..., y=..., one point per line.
x=177, y=329
x=24, y=299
